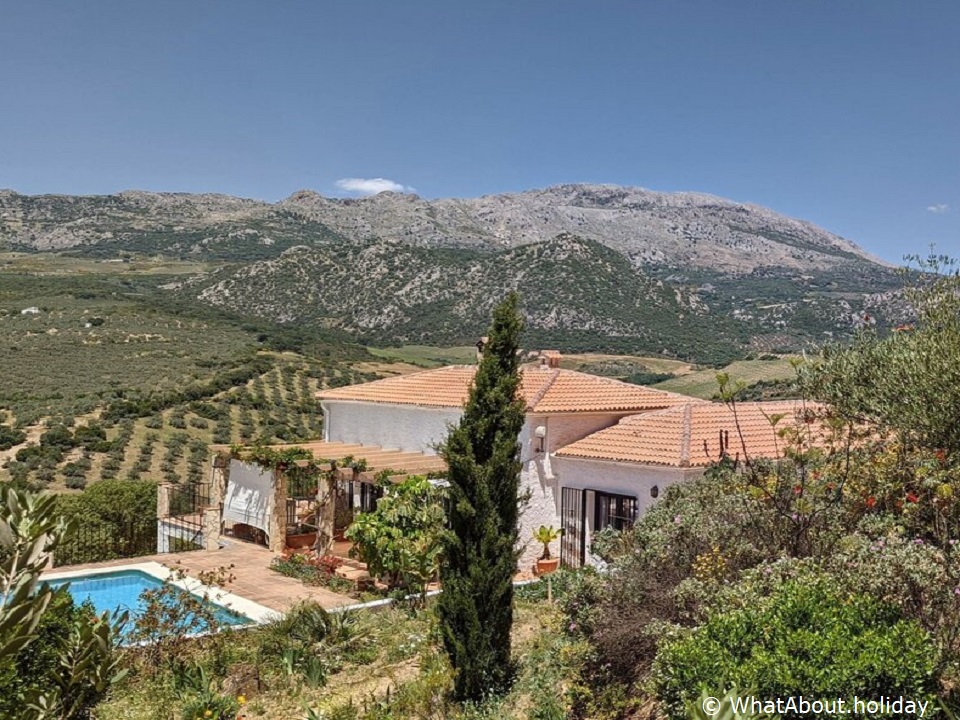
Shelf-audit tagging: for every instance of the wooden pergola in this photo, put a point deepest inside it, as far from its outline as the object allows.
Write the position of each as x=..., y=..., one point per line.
x=378, y=463
x=378, y=459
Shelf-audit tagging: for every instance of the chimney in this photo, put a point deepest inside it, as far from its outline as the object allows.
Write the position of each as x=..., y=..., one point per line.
x=551, y=358
x=480, y=345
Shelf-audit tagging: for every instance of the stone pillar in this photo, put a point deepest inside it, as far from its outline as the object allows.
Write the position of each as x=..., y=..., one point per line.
x=219, y=477
x=163, y=500
x=278, y=518
x=326, y=511
x=211, y=528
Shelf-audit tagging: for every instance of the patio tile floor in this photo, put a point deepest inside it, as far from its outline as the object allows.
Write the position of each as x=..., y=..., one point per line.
x=254, y=579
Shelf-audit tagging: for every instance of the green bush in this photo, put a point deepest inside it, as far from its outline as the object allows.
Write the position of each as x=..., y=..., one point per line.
x=805, y=639
x=27, y=672
x=400, y=540
x=647, y=378
x=210, y=706
x=58, y=436
x=92, y=437
x=10, y=436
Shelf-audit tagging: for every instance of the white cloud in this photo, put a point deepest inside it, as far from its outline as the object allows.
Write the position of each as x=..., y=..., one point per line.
x=371, y=186
x=938, y=209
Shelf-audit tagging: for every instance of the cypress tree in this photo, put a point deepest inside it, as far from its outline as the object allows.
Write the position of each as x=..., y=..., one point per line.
x=480, y=556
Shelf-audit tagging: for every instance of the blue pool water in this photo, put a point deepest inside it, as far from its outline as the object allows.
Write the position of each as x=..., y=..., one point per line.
x=121, y=590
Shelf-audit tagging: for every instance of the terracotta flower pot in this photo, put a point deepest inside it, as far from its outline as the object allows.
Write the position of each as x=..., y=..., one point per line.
x=301, y=541
x=545, y=567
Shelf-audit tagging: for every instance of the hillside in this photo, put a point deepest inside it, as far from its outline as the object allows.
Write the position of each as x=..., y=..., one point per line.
x=601, y=268
x=576, y=292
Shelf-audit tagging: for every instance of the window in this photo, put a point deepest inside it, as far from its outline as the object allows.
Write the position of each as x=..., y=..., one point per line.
x=369, y=494
x=614, y=511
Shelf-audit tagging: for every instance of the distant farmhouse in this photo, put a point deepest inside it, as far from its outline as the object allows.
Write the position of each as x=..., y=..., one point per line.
x=596, y=452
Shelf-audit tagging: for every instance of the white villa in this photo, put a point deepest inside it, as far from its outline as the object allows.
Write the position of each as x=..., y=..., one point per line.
x=596, y=452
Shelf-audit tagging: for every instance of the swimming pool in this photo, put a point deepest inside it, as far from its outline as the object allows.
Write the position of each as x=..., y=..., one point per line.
x=120, y=589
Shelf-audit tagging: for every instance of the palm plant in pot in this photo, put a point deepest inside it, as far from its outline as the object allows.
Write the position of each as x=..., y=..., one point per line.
x=546, y=535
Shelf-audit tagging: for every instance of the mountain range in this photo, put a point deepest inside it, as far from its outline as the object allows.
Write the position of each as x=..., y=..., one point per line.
x=600, y=267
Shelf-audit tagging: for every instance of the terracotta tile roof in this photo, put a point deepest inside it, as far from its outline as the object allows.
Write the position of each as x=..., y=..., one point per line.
x=545, y=389
x=689, y=435
x=445, y=387
x=571, y=391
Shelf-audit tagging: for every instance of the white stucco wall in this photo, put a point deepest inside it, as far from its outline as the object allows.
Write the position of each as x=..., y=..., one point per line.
x=402, y=427
x=538, y=477
x=419, y=429
x=621, y=478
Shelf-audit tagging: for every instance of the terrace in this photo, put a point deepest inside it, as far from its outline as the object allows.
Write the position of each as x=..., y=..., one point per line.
x=250, y=566
x=303, y=496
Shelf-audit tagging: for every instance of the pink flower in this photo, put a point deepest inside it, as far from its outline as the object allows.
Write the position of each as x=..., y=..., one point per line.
x=676, y=520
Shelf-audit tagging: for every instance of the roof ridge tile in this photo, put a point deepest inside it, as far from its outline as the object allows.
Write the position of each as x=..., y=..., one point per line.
x=685, y=434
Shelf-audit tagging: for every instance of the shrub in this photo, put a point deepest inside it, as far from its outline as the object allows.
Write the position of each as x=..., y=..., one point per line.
x=92, y=437
x=27, y=672
x=400, y=541
x=58, y=436
x=647, y=378
x=46, y=475
x=74, y=482
x=309, y=570
x=805, y=639
x=210, y=705
x=308, y=642
x=919, y=577
x=10, y=436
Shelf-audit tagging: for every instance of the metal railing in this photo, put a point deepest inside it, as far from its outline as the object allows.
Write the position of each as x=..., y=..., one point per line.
x=96, y=541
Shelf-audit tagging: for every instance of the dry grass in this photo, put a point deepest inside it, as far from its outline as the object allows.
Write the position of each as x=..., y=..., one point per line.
x=703, y=383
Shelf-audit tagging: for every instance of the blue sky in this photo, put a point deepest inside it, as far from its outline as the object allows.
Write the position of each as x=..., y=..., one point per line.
x=842, y=112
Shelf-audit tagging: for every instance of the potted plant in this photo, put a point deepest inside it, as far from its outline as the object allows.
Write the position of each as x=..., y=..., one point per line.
x=301, y=536
x=546, y=535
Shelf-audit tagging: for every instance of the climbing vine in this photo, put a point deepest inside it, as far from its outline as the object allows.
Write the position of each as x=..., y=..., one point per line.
x=304, y=472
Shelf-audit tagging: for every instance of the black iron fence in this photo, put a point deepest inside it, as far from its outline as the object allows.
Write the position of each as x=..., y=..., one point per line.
x=96, y=538
x=95, y=541
x=188, y=499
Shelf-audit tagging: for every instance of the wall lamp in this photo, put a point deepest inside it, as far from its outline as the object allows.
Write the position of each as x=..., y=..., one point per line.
x=540, y=433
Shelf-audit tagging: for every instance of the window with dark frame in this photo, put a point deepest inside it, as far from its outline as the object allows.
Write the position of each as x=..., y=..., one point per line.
x=369, y=495
x=614, y=511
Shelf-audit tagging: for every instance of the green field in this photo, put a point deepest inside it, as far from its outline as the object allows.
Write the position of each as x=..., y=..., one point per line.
x=596, y=363
x=621, y=365
x=57, y=264
x=703, y=383
x=428, y=356
x=91, y=341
